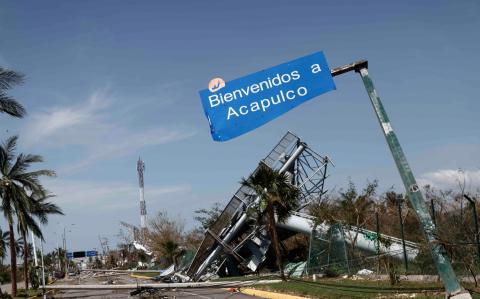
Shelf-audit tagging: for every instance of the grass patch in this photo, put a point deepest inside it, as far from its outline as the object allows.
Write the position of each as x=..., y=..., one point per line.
x=22, y=293
x=344, y=288
x=146, y=274
x=247, y=278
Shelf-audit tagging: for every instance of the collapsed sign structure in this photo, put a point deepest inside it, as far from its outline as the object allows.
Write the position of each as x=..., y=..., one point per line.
x=224, y=130
x=234, y=246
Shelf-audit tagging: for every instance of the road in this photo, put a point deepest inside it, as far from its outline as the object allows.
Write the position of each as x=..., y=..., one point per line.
x=199, y=293
x=210, y=293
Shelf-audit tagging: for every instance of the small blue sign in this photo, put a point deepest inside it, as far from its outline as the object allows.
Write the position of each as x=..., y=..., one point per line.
x=92, y=253
x=241, y=105
x=69, y=255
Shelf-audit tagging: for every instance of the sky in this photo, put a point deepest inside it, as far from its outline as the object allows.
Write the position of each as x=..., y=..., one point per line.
x=109, y=81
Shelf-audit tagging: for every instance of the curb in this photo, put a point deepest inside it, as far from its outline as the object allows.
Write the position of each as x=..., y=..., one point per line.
x=268, y=295
x=140, y=276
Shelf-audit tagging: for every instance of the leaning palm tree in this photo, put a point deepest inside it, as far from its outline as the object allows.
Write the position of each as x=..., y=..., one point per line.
x=15, y=183
x=8, y=79
x=276, y=197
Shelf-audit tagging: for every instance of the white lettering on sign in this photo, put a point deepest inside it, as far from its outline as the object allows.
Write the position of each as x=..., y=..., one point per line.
x=243, y=104
x=279, y=79
x=264, y=104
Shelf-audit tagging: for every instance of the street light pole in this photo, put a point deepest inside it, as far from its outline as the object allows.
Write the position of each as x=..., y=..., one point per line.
x=43, y=270
x=65, y=251
x=65, y=247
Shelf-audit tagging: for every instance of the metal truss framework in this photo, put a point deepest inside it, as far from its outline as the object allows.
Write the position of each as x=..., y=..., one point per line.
x=230, y=239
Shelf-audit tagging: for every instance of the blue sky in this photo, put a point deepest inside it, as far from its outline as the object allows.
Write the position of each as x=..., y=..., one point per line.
x=108, y=81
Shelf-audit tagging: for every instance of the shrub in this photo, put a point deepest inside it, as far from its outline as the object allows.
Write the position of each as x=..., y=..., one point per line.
x=5, y=277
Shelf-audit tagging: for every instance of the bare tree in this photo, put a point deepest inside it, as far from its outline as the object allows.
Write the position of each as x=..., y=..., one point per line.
x=165, y=237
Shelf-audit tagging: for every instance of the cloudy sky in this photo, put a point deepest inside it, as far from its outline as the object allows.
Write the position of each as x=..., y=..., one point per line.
x=109, y=81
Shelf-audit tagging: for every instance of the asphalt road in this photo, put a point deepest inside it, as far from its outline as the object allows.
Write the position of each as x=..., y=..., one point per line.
x=201, y=293
x=210, y=293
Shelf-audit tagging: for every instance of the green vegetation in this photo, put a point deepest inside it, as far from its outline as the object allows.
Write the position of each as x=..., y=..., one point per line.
x=8, y=105
x=340, y=288
x=24, y=201
x=22, y=293
x=146, y=274
x=277, y=197
x=367, y=209
x=248, y=278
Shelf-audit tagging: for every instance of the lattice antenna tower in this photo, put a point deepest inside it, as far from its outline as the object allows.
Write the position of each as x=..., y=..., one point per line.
x=143, y=208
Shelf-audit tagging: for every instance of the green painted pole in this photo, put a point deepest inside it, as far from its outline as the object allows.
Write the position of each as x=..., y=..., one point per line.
x=442, y=262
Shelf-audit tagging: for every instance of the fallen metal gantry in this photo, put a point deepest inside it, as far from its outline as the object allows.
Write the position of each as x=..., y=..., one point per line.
x=232, y=246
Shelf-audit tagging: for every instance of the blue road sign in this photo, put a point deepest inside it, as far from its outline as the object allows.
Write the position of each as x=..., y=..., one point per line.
x=69, y=255
x=92, y=253
x=241, y=105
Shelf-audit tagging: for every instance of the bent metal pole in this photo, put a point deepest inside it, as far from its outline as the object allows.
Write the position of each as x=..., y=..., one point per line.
x=442, y=262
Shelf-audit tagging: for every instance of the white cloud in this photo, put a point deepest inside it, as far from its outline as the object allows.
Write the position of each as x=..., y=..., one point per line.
x=88, y=127
x=47, y=124
x=96, y=208
x=110, y=148
x=451, y=178
x=106, y=195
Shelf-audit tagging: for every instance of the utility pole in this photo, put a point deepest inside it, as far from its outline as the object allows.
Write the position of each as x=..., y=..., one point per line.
x=442, y=262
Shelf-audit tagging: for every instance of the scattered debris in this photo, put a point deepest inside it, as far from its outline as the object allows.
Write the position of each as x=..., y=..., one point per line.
x=365, y=272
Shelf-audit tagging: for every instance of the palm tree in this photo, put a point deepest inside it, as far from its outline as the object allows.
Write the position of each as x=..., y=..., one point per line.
x=171, y=250
x=276, y=197
x=24, y=223
x=4, y=237
x=8, y=79
x=15, y=182
x=19, y=247
x=58, y=255
x=40, y=208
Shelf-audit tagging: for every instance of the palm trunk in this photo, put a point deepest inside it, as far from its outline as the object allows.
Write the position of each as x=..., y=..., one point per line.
x=13, y=260
x=25, y=257
x=276, y=244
